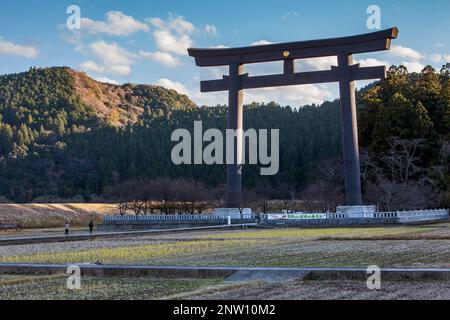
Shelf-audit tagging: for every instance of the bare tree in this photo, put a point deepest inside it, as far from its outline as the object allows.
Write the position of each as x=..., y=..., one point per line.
x=369, y=166
x=326, y=192
x=121, y=194
x=263, y=193
x=392, y=196
x=193, y=195
x=401, y=160
x=395, y=180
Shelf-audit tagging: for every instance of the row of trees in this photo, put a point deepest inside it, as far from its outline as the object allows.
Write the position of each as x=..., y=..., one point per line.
x=181, y=196
x=162, y=195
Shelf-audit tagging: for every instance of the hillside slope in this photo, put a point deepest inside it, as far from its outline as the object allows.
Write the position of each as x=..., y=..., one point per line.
x=40, y=97
x=124, y=104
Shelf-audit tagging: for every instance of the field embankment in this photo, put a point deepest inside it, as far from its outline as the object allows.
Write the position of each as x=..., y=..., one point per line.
x=55, y=215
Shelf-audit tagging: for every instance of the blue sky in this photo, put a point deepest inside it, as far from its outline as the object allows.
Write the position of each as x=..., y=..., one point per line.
x=145, y=41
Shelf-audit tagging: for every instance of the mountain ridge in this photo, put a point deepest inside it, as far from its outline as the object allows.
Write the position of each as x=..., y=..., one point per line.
x=117, y=105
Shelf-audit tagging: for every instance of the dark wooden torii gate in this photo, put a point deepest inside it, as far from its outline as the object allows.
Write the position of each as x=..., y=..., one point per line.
x=345, y=73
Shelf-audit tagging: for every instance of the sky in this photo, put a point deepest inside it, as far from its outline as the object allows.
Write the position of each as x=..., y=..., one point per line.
x=146, y=41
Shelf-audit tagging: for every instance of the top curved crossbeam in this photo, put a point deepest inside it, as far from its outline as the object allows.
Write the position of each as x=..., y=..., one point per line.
x=370, y=42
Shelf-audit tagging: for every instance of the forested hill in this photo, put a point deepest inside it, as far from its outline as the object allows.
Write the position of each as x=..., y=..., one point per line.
x=60, y=99
x=65, y=135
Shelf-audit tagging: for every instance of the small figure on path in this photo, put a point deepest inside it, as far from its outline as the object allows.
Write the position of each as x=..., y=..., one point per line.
x=91, y=227
x=66, y=228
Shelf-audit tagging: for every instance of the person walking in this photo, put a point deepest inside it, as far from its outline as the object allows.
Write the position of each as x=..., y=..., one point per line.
x=66, y=228
x=91, y=227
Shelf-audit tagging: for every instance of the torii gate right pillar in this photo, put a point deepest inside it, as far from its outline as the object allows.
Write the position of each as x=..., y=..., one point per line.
x=349, y=131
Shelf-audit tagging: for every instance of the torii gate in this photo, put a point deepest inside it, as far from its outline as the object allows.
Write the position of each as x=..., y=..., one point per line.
x=345, y=73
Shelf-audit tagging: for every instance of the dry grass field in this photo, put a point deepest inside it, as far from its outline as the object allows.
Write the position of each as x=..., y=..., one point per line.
x=323, y=290
x=54, y=288
x=55, y=215
x=412, y=247
x=407, y=246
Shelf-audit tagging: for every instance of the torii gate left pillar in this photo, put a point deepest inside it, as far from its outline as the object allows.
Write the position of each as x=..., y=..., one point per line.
x=235, y=122
x=349, y=131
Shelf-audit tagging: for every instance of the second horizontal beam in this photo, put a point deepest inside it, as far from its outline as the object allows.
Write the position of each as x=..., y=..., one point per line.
x=301, y=78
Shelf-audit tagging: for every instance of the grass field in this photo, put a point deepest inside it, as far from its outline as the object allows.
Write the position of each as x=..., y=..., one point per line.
x=324, y=290
x=54, y=288
x=277, y=247
x=55, y=215
x=421, y=246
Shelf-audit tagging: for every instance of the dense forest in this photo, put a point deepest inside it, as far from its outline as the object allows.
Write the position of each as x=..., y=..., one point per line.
x=66, y=136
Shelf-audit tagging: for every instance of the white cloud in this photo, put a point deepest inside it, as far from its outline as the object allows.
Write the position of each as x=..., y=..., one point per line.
x=113, y=59
x=172, y=35
x=11, y=49
x=169, y=84
x=436, y=57
x=289, y=14
x=92, y=66
x=111, y=53
x=371, y=62
x=323, y=63
x=406, y=53
x=211, y=30
x=168, y=42
x=180, y=24
x=220, y=46
x=116, y=23
x=440, y=58
x=161, y=57
x=213, y=72
x=294, y=96
x=121, y=70
x=261, y=43
x=411, y=58
x=413, y=66
x=157, y=22
x=106, y=80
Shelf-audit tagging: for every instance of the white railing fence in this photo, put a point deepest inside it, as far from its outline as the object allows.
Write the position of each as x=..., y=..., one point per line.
x=174, y=217
x=402, y=216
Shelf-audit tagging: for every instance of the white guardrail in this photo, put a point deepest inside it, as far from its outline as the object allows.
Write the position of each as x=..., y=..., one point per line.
x=174, y=217
x=402, y=216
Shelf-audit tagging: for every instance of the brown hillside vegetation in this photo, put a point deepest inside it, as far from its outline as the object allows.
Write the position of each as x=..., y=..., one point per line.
x=55, y=215
x=122, y=105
